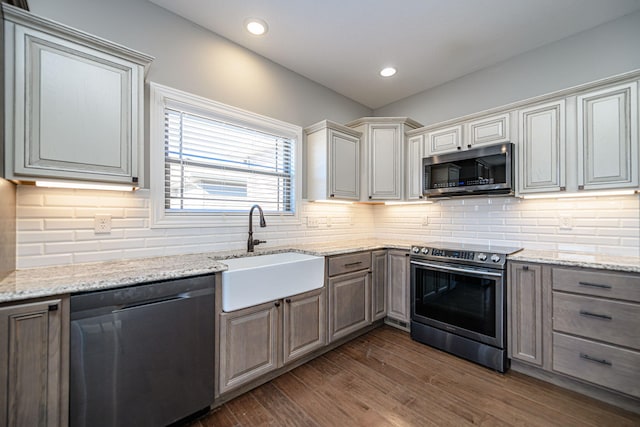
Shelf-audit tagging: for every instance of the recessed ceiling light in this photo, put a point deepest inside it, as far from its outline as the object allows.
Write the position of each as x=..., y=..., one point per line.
x=256, y=26
x=387, y=72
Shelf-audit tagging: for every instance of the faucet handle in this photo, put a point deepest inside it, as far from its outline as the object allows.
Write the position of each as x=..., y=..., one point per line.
x=257, y=242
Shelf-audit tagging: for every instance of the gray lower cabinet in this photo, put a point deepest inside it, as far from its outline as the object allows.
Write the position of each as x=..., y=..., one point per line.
x=34, y=363
x=260, y=339
x=577, y=323
x=398, y=286
x=525, y=320
x=304, y=326
x=349, y=285
x=378, y=284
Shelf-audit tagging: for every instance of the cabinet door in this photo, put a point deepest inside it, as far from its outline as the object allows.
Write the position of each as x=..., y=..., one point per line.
x=488, y=130
x=398, y=283
x=608, y=138
x=248, y=344
x=31, y=365
x=386, y=157
x=349, y=303
x=344, y=166
x=304, y=324
x=414, y=167
x=77, y=111
x=525, y=313
x=378, y=285
x=444, y=140
x=542, y=148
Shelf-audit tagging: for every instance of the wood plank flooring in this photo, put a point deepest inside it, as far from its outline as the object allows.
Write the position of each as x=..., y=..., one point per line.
x=385, y=379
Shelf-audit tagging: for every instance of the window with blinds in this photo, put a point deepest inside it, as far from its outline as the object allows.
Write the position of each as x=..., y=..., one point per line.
x=214, y=166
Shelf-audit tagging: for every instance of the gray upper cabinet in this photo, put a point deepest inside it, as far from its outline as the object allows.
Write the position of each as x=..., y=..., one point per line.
x=383, y=174
x=73, y=104
x=491, y=129
x=415, y=153
x=333, y=162
x=608, y=138
x=541, y=160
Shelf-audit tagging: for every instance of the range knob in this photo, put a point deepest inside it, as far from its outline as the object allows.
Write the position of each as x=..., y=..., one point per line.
x=415, y=250
x=425, y=251
x=482, y=257
x=495, y=258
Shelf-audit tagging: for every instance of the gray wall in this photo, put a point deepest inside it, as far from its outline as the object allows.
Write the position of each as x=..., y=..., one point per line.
x=7, y=227
x=195, y=60
x=610, y=49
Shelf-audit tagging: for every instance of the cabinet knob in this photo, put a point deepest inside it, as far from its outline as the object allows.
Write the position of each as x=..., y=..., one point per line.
x=459, y=148
x=369, y=197
x=332, y=195
x=468, y=145
x=134, y=179
x=420, y=197
x=525, y=267
x=277, y=303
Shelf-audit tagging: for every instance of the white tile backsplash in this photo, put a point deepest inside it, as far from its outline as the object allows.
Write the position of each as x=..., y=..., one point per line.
x=55, y=226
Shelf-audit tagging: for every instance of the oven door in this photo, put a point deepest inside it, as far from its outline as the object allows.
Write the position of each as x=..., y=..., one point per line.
x=463, y=300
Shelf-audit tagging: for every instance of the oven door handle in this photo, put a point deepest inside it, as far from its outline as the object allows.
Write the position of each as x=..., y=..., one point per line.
x=458, y=270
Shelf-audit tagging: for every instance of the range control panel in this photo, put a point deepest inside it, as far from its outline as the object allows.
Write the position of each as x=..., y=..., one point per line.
x=475, y=257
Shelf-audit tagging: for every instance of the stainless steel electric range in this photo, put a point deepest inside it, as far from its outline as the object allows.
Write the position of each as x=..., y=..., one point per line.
x=458, y=300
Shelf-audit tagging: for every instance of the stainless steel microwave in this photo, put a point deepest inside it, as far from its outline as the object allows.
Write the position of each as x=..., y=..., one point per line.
x=479, y=171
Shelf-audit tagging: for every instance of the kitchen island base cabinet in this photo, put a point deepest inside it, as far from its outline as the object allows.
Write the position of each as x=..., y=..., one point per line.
x=34, y=363
x=257, y=340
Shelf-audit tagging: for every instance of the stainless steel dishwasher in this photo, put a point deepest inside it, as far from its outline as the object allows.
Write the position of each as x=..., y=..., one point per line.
x=142, y=355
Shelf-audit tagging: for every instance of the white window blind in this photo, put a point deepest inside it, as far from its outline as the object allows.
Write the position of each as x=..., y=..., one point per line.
x=215, y=166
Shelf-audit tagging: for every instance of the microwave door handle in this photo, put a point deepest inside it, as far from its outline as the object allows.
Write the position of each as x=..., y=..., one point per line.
x=457, y=270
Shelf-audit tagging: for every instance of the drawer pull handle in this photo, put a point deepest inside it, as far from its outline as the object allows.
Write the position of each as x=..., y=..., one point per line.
x=594, y=285
x=353, y=264
x=593, y=359
x=599, y=316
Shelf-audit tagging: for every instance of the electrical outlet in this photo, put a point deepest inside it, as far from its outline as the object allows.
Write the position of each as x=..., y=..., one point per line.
x=566, y=222
x=102, y=224
x=312, y=222
x=425, y=221
x=329, y=221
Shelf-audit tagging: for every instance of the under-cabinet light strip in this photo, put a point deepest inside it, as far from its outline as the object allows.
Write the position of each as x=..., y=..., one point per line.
x=84, y=186
x=582, y=194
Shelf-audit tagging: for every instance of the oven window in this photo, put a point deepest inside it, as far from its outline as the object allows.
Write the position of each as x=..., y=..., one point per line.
x=456, y=299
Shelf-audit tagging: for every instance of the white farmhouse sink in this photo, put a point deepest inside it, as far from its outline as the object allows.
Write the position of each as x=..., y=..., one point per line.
x=256, y=279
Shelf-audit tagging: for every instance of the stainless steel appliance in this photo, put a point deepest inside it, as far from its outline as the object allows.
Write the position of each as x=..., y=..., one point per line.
x=458, y=301
x=142, y=355
x=479, y=171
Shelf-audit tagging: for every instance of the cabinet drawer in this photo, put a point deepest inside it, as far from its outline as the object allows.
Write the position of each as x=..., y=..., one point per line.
x=602, y=284
x=602, y=364
x=611, y=321
x=348, y=263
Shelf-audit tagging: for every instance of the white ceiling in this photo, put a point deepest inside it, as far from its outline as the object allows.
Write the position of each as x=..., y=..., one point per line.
x=342, y=44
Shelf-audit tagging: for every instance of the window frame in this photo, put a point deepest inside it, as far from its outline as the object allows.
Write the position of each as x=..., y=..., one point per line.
x=161, y=96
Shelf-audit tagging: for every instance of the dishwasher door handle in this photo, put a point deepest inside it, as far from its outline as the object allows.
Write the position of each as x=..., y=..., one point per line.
x=149, y=302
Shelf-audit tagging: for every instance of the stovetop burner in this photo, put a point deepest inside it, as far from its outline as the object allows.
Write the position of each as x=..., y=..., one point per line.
x=473, y=254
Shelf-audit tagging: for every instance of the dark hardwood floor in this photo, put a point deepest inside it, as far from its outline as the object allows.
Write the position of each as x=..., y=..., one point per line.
x=386, y=379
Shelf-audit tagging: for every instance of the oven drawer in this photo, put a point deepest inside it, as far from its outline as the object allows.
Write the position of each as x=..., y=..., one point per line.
x=602, y=364
x=611, y=321
x=348, y=263
x=597, y=283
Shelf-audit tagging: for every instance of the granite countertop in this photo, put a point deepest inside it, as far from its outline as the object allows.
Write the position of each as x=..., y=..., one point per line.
x=605, y=262
x=58, y=280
